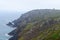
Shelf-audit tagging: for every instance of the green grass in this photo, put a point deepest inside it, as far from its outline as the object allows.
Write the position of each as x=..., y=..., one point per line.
x=52, y=35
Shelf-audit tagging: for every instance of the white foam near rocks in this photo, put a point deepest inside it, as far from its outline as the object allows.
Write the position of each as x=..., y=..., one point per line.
x=7, y=35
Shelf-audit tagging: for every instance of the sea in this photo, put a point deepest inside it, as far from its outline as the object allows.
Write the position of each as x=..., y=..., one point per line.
x=6, y=17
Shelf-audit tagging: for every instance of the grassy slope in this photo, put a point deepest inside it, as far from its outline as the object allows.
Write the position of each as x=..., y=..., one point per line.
x=51, y=34
x=48, y=34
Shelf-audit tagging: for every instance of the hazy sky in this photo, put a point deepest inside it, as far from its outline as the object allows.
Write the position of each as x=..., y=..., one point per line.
x=28, y=4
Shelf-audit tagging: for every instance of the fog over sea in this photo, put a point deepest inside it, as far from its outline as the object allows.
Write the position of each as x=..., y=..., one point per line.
x=6, y=17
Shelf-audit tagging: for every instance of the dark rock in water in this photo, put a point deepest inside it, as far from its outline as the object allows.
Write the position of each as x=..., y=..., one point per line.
x=12, y=33
x=9, y=24
x=14, y=38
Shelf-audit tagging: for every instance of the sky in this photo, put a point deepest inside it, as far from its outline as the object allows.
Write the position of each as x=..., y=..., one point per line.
x=22, y=5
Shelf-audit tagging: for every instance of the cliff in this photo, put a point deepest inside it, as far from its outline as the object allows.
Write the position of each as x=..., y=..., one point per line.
x=39, y=24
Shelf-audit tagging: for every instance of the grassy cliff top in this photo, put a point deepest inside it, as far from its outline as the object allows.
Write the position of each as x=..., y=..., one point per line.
x=39, y=24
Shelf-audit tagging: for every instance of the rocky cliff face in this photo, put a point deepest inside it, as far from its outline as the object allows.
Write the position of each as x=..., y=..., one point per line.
x=39, y=24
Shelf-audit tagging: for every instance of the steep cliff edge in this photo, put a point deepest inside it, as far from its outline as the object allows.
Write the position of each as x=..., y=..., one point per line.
x=39, y=24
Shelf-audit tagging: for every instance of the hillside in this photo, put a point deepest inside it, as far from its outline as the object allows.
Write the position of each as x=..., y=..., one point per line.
x=39, y=24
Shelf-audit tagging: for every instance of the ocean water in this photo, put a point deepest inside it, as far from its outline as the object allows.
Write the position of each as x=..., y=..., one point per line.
x=6, y=17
